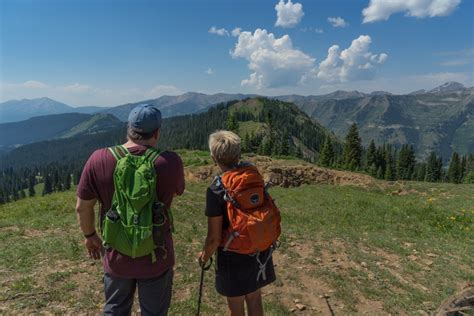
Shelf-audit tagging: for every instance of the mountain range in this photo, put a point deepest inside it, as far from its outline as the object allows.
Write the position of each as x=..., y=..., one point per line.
x=19, y=110
x=440, y=120
x=264, y=124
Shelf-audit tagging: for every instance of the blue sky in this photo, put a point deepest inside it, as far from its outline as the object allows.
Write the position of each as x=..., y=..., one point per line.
x=113, y=52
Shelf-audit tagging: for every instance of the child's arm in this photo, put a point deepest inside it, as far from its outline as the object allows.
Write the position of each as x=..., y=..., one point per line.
x=213, y=239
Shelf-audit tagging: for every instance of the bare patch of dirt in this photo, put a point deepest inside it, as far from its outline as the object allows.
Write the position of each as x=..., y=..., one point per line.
x=9, y=229
x=402, y=192
x=297, y=267
x=297, y=285
x=289, y=174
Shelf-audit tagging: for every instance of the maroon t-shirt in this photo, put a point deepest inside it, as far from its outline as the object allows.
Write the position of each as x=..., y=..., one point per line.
x=97, y=183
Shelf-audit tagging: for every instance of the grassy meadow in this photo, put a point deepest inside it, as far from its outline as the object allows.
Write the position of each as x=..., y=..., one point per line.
x=398, y=248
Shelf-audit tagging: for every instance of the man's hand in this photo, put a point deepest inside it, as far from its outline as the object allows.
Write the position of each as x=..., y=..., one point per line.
x=94, y=246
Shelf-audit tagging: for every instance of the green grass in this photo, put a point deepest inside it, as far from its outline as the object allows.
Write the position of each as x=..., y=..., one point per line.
x=251, y=126
x=194, y=158
x=406, y=253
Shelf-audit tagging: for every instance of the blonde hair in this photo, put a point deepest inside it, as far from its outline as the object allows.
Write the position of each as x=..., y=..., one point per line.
x=225, y=147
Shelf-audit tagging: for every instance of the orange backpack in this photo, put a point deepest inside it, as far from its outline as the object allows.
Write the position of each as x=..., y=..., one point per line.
x=254, y=219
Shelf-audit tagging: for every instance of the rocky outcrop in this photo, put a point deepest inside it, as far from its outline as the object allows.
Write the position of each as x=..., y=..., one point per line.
x=288, y=173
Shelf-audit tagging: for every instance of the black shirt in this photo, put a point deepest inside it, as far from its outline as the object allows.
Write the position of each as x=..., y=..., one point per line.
x=215, y=203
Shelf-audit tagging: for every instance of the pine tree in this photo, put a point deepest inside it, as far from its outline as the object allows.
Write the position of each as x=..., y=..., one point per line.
x=285, y=145
x=232, y=123
x=380, y=173
x=55, y=182
x=373, y=170
x=15, y=195
x=67, y=181
x=260, y=150
x=463, y=167
x=246, y=145
x=389, y=170
x=433, y=170
x=454, y=170
x=439, y=169
x=48, y=187
x=405, y=162
x=76, y=176
x=267, y=146
x=352, y=149
x=419, y=172
x=371, y=156
x=327, y=154
x=31, y=186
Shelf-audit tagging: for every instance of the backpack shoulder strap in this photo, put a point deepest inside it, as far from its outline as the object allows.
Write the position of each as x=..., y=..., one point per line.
x=152, y=154
x=118, y=152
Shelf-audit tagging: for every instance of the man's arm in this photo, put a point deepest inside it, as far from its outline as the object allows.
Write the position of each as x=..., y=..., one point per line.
x=85, y=217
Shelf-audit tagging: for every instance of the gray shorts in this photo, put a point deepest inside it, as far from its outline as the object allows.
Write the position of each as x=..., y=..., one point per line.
x=154, y=294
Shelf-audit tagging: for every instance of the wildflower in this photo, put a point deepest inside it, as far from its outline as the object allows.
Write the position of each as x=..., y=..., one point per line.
x=452, y=218
x=430, y=200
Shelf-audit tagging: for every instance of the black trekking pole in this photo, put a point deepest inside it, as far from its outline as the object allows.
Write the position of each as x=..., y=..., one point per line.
x=201, y=283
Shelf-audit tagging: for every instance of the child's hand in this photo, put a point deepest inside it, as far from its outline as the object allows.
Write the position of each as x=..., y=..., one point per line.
x=200, y=258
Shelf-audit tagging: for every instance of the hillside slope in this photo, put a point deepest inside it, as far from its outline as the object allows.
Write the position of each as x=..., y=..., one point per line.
x=441, y=121
x=54, y=126
x=39, y=128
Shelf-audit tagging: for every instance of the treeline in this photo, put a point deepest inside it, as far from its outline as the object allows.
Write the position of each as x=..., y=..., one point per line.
x=18, y=183
x=395, y=163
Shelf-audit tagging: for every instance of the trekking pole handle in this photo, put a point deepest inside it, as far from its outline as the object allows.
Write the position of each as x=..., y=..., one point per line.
x=207, y=266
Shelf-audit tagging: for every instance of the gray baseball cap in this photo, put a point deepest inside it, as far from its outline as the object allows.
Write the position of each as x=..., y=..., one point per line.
x=144, y=118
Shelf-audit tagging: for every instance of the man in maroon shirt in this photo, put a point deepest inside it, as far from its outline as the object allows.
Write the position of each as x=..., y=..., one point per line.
x=122, y=273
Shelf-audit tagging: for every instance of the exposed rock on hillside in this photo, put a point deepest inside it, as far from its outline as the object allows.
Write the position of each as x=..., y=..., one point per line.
x=288, y=173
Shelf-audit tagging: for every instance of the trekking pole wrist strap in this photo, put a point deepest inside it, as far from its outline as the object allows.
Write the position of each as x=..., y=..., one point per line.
x=90, y=235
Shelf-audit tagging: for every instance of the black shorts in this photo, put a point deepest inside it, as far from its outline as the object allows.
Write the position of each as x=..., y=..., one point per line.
x=236, y=274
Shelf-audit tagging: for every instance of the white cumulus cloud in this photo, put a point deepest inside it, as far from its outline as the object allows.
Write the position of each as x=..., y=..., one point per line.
x=236, y=31
x=288, y=14
x=351, y=64
x=378, y=10
x=76, y=88
x=337, y=22
x=34, y=84
x=274, y=61
x=220, y=32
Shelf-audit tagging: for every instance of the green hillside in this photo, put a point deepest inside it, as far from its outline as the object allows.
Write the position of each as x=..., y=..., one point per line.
x=50, y=127
x=96, y=124
x=365, y=250
x=39, y=128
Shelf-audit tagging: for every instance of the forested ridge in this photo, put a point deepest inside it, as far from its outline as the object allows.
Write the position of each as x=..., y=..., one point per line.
x=267, y=127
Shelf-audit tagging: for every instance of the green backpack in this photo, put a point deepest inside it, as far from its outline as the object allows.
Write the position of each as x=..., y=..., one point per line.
x=128, y=226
